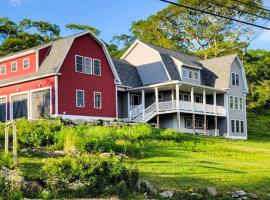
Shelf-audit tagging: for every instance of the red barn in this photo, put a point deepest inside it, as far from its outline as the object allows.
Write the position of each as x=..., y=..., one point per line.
x=72, y=78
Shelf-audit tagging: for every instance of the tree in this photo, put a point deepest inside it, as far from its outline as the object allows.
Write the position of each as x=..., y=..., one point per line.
x=200, y=34
x=80, y=27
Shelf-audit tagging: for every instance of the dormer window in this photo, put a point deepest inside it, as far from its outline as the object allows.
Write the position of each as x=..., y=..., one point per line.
x=26, y=63
x=184, y=73
x=190, y=74
x=14, y=67
x=235, y=79
x=196, y=75
x=3, y=70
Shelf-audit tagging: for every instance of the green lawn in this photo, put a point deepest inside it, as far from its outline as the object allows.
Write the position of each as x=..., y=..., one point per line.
x=222, y=163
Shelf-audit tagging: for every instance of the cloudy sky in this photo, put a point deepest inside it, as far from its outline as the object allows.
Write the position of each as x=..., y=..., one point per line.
x=112, y=17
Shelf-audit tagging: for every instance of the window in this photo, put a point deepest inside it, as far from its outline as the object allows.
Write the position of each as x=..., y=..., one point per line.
x=3, y=70
x=199, y=123
x=26, y=63
x=196, y=75
x=80, y=98
x=97, y=67
x=242, y=126
x=235, y=79
x=135, y=99
x=88, y=65
x=237, y=126
x=97, y=100
x=232, y=126
x=231, y=102
x=184, y=73
x=190, y=74
x=79, y=64
x=14, y=67
x=160, y=96
x=186, y=97
x=240, y=103
x=188, y=123
x=198, y=99
x=236, y=103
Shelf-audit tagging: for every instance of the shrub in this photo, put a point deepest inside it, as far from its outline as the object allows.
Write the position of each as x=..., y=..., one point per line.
x=85, y=176
x=6, y=161
x=37, y=133
x=7, y=191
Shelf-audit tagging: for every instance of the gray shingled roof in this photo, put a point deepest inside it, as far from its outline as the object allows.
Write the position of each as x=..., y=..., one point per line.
x=220, y=68
x=127, y=73
x=171, y=67
x=57, y=53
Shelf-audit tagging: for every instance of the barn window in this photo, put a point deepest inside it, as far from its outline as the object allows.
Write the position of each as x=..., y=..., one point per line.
x=26, y=63
x=88, y=65
x=14, y=66
x=3, y=70
x=79, y=64
x=80, y=98
x=97, y=100
x=97, y=67
x=40, y=103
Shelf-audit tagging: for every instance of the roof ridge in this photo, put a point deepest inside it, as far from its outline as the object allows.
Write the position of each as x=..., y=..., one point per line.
x=230, y=55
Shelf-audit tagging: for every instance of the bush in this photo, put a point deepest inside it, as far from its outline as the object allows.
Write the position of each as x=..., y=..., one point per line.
x=6, y=161
x=85, y=176
x=7, y=191
x=37, y=133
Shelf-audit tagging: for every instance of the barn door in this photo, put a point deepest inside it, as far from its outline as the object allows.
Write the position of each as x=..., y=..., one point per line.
x=19, y=106
x=41, y=106
x=3, y=107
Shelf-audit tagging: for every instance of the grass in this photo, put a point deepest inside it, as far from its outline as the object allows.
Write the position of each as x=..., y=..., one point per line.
x=222, y=163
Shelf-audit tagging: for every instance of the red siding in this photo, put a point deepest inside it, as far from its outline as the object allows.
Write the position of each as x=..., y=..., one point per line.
x=27, y=86
x=20, y=70
x=70, y=80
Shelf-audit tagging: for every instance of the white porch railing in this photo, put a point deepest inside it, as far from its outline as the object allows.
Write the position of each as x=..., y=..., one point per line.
x=171, y=106
x=208, y=132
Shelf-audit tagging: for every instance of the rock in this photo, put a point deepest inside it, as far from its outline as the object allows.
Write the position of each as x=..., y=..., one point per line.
x=238, y=194
x=167, y=194
x=121, y=155
x=145, y=187
x=212, y=191
x=196, y=195
x=32, y=187
x=253, y=196
x=106, y=155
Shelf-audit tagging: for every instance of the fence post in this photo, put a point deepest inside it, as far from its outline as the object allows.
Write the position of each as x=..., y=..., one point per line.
x=15, y=161
x=6, y=139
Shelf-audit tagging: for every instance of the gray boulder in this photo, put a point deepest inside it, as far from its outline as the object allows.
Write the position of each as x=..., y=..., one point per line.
x=167, y=194
x=239, y=194
x=253, y=196
x=145, y=187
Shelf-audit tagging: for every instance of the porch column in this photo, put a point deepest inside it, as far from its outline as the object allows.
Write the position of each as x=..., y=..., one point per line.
x=204, y=124
x=215, y=102
x=143, y=105
x=177, y=96
x=204, y=101
x=192, y=99
x=6, y=138
x=156, y=98
x=216, y=129
x=178, y=108
x=128, y=102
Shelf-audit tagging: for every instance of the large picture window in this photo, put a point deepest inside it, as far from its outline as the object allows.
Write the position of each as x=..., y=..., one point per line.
x=80, y=98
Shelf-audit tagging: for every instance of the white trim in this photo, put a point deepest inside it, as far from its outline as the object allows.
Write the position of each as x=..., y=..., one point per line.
x=82, y=106
x=17, y=55
x=37, y=61
x=28, y=62
x=29, y=79
x=97, y=93
x=56, y=95
x=76, y=64
x=1, y=70
x=11, y=103
x=15, y=62
x=30, y=99
x=74, y=117
x=95, y=59
x=5, y=96
x=116, y=100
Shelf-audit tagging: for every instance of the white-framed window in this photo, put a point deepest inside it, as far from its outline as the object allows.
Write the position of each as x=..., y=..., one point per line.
x=231, y=102
x=185, y=73
x=14, y=67
x=79, y=64
x=186, y=97
x=88, y=65
x=236, y=106
x=198, y=99
x=188, y=123
x=3, y=70
x=232, y=126
x=96, y=67
x=160, y=96
x=190, y=74
x=237, y=126
x=97, y=100
x=199, y=124
x=80, y=103
x=26, y=63
x=135, y=99
x=242, y=126
x=235, y=79
x=240, y=103
x=196, y=75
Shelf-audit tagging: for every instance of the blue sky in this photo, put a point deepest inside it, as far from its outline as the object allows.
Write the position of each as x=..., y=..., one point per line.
x=112, y=17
